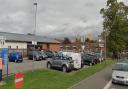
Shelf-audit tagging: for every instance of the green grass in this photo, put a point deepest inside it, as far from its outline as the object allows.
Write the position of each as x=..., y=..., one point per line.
x=48, y=79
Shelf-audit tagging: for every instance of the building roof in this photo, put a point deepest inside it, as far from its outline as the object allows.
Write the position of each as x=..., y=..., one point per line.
x=27, y=38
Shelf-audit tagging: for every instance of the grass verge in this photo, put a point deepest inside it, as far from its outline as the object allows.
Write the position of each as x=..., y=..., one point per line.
x=48, y=79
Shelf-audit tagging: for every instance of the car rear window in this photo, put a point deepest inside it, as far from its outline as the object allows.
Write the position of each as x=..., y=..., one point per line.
x=121, y=67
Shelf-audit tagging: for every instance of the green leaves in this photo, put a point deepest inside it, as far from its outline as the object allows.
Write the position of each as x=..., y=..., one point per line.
x=116, y=25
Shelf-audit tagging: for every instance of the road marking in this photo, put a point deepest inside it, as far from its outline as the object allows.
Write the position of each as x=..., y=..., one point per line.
x=107, y=86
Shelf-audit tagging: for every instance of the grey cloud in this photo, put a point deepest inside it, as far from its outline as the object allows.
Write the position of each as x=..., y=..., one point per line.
x=55, y=18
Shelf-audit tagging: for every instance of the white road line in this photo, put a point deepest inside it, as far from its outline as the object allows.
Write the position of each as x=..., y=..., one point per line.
x=107, y=86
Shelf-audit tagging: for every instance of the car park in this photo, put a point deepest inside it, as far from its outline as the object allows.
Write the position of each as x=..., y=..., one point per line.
x=64, y=63
x=89, y=59
x=120, y=73
x=34, y=55
x=15, y=57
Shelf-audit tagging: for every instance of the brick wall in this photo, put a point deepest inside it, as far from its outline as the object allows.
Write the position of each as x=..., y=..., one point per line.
x=51, y=46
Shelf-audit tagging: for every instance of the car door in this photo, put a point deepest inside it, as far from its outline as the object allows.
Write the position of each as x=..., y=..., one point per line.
x=55, y=61
x=60, y=61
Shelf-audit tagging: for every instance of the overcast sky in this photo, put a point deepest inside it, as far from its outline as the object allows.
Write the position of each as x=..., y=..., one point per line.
x=55, y=18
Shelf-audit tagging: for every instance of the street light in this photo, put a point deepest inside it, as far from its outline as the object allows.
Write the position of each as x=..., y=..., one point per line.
x=35, y=4
x=34, y=42
x=34, y=33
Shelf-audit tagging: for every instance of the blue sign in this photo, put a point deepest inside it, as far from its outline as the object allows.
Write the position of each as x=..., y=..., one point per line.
x=4, y=56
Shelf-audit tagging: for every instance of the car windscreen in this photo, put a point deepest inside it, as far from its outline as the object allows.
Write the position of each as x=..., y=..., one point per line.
x=121, y=67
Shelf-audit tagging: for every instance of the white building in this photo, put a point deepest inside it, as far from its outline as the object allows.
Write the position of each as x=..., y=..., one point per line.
x=23, y=42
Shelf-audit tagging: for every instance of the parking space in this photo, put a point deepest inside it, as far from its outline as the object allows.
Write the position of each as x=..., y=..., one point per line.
x=26, y=65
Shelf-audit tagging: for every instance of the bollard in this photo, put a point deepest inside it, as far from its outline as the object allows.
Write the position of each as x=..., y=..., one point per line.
x=1, y=70
x=0, y=75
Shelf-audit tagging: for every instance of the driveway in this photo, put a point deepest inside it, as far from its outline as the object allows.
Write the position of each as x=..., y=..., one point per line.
x=26, y=65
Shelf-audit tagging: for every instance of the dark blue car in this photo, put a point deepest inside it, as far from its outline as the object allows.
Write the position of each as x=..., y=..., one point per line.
x=15, y=57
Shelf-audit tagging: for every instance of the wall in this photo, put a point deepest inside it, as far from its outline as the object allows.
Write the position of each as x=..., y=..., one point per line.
x=54, y=47
x=21, y=45
x=51, y=46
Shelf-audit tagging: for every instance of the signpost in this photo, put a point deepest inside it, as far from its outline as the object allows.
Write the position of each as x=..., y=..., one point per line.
x=19, y=80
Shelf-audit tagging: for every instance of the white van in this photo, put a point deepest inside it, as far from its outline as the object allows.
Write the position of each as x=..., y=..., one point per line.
x=76, y=57
x=120, y=73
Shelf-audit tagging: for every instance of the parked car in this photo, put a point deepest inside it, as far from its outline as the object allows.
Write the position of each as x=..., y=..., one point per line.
x=89, y=59
x=44, y=56
x=120, y=73
x=49, y=54
x=98, y=57
x=34, y=55
x=61, y=62
x=15, y=57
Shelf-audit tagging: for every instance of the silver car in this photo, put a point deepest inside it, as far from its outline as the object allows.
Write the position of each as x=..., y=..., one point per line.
x=120, y=73
x=61, y=62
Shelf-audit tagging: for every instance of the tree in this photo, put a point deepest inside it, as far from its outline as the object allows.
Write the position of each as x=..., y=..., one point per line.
x=115, y=26
x=88, y=40
x=66, y=41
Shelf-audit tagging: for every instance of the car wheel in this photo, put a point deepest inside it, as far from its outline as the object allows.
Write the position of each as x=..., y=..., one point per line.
x=64, y=69
x=22, y=60
x=34, y=59
x=49, y=66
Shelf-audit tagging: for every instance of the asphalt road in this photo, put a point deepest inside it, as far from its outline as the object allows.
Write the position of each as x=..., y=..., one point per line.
x=117, y=86
x=26, y=65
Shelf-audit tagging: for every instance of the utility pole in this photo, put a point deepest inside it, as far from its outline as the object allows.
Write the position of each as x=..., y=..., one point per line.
x=105, y=43
x=34, y=42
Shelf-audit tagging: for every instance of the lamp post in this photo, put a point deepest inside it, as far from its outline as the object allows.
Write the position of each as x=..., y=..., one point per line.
x=34, y=33
x=35, y=4
x=34, y=41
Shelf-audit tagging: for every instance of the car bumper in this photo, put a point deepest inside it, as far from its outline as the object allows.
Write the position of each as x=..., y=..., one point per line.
x=120, y=81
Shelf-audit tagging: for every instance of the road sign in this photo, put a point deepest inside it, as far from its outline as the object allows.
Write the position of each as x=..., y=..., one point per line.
x=19, y=80
x=83, y=46
x=34, y=42
x=101, y=45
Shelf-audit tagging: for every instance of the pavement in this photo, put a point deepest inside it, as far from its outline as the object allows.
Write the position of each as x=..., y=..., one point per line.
x=97, y=81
